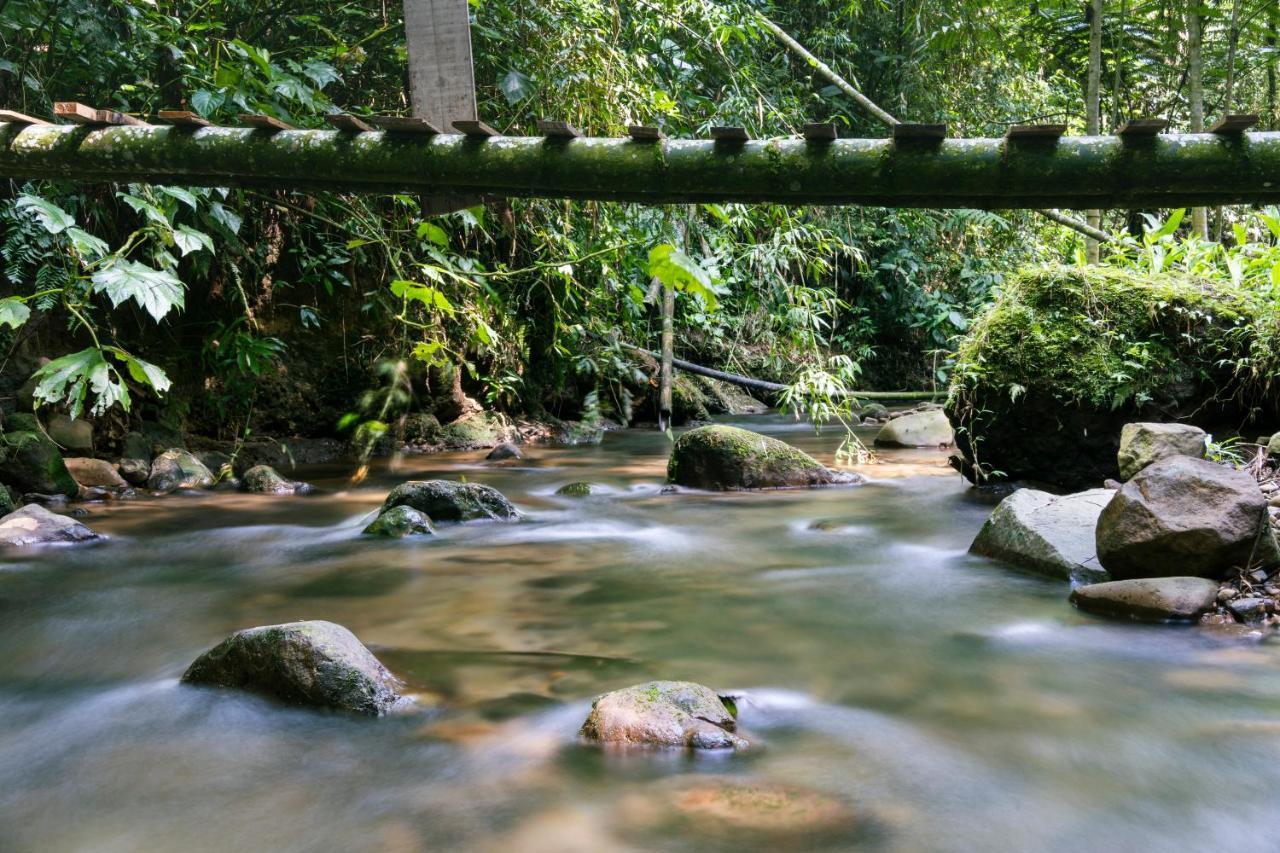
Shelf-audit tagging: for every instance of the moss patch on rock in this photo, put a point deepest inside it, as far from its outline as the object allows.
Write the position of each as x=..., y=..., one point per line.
x=1066, y=356
x=726, y=458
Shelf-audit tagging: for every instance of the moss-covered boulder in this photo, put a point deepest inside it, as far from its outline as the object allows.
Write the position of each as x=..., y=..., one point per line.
x=576, y=490
x=178, y=469
x=32, y=463
x=1066, y=356
x=663, y=713
x=399, y=522
x=303, y=663
x=725, y=458
x=503, y=452
x=265, y=480
x=479, y=429
x=447, y=500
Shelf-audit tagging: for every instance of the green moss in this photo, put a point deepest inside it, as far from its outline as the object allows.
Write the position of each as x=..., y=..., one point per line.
x=576, y=490
x=726, y=458
x=1105, y=338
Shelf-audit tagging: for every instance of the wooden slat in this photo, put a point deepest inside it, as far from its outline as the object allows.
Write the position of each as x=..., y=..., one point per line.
x=924, y=132
x=348, y=123
x=475, y=128
x=729, y=133
x=1035, y=132
x=405, y=124
x=557, y=129
x=183, y=118
x=1142, y=127
x=819, y=132
x=271, y=124
x=644, y=133
x=1237, y=123
x=19, y=118
x=81, y=114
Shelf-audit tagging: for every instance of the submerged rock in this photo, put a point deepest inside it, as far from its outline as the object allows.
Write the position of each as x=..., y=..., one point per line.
x=726, y=458
x=303, y=663
x=32, y=463
x=576, y=490
x=400, y=521
x=746, y=808
x=1050, y=534
x=178, y=469
x=663, y=713
x=505, y=450
x=446, y=500
x=265, y=480
x=91, y=473
x=1149, y=599
x=35, y=525
x=1188, y=517
x=1144, y=443
x=921, y=429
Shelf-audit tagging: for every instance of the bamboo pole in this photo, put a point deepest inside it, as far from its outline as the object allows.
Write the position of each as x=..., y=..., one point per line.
x=1078, y=172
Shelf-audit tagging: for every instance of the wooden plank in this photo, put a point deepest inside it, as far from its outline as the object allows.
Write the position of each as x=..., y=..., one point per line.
x=12, y=117
x=1035, y=132
x=819, y=132
x=1236, y=123
x=348, y=123
x=476, y=129
x=729, y=134
x=81, y=114
x=919, y=132
x=644, y=133
x=271, y=124
x=405, y=124
x=1139, y=127
x=557, y=129
x=183, y=118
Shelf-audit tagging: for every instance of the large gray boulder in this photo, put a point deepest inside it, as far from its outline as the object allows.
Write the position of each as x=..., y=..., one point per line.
x=1149, y=599
x=1144, y=443
x=663, y=713
x=726, y=458
x=1185, y=516
x=447, y=500
x=32, y=463
x=94, y=473
x=35, y=525
x=1049, y=534
x=178, y=469
x=265, y=480
x=399, y=522
x=920, y=429
x=303, y=663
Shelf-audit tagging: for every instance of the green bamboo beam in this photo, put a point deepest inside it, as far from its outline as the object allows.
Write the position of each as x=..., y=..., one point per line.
x=1075, y=172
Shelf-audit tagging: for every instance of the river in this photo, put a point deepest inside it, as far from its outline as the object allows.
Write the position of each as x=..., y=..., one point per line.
x=952, y=703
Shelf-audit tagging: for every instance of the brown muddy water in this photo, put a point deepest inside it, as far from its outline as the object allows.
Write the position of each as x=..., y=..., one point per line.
x=942, y=701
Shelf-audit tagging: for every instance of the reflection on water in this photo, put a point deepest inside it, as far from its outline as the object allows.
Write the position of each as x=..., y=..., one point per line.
x=946, y=702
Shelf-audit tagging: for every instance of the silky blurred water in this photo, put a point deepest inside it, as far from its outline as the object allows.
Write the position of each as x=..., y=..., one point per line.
x=953, y=703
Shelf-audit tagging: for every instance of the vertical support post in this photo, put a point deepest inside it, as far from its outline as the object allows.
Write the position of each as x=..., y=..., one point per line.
x=442, y=87
x=668, y=347
x=1093, y=109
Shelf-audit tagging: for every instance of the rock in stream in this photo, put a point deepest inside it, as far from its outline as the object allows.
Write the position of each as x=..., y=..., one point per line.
x=725, y=458
x=663, y=713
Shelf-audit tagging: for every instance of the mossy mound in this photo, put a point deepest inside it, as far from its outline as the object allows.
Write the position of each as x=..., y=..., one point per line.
x=726, y=458
x=32, y=463
x=1066, y=356
x=446, y=500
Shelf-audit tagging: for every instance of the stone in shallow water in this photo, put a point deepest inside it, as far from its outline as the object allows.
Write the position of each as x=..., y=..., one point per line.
x=35, y=525
x=576, y=490
x=89, y=472
x=400, y=521
x=725, y=458
x=1144, y=443
x=747, y=807
x=32, y=463
x=178, y=469
x=505, y=450
x=265, y=480
x=663, y=713
x=1049, y=534
x=921, y=429
x=1148, y=599
x=446, y=500
x=303, y=663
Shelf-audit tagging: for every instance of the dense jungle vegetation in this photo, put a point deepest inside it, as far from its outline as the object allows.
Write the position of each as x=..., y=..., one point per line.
x=271, y=311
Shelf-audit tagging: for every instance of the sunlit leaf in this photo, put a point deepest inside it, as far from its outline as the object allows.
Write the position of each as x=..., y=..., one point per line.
x=52, y=218
x=13, y=312
x=156, y=291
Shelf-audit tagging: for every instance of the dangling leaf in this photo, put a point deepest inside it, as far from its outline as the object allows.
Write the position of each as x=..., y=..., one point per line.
x=52, y=218
x=190, y=240
x=87, y=246
x=675, y=269
x=156, y=291
x=515, y=86
x=13, y=312
x=143, y=371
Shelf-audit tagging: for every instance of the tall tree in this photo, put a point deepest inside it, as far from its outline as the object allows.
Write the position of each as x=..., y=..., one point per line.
x=1195, y=82
x=1093, y=104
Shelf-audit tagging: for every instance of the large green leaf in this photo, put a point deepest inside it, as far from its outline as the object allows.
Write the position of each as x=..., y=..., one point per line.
x=13, y=312
x=675, y=269
x=68, y=379
x=54, y=219
x=156, y=291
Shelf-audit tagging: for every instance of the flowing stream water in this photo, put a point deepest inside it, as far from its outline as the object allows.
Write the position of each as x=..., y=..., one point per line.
x=951, y=703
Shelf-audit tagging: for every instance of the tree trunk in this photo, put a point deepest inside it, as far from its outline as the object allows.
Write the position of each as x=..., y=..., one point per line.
x=1078, y=172
x=668, y=348
x=1195, y=81
x=1233, y=40
x=1093, y=108
x=1272, y=26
